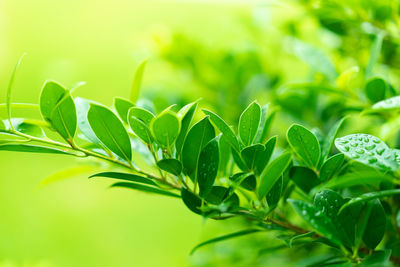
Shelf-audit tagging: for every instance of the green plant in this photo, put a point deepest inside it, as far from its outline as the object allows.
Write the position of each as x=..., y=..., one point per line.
x=347, y=202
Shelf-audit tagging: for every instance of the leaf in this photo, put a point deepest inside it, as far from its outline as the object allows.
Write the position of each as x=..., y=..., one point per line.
x=82, y=107
x=266, y=156
x=374, y=54
x=274, y=194
x=140, y=129
x=316, y=219
x=142, y=114
x=246, y=180
x=249, y=122
x=170, y=165
x=370, y=196
x=198, y=136
x=305, y=178
x=265, y=123
x=252, y=155
x=208, y=167
x=34, y=149
x=186, y=114
x=165, y=129
x=125, y=176
x=329, y=140
x=2, y=126
x=375, y=89
x=272, y=173
x=122, y=107
x=380, y=258
x=224, y=237
x=137, y=81
x=192, y=201
x=305, y=144
x=224, y=197
x=224, y=128
x=65, y=174
x=331, y=166
x=110, y=130
x=368, y=150
x=10, y=87
x=376, y=226
x=145, y=188
x=389, y=104
x=25, y=126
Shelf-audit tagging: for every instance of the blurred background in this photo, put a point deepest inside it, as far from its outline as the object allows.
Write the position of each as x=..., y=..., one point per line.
x=293, y=54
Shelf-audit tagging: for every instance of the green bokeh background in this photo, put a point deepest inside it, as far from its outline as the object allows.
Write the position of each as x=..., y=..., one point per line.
x=80, y=222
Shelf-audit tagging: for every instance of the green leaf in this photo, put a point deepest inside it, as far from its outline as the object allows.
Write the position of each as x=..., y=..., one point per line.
x=25, y=126
x=318, y=220
x=272, y=173
x=198, y=136
x=223, y=197
x=145, y=188
x=170, y=165
x=252, y=155
x=375, y=89
x=368, y=150
x=331, y=166
x=246, y=180
x=192, y=201
x=305, y=144
x=137, y=81
x=186, y=114
x=2, y=126
x=376, y=226
x=10, y=87
x=140, y=129
x=389, y=104
x=249, y=122
x=165, y=128
x=274, y=195
x=266, y=120
x=208, y=166
x=110, y=130
x=374, y=54
x=66, y=174
x=58, y=108
x=142, y=114
x=305, y=178
x=122, y=107
x=370, y=196
x=329, y=140
x=224, y=237
x=125, y=176
x=224, y=128
x=266, y=156
x=380, y=258
x=82, y=107
x=34, y=149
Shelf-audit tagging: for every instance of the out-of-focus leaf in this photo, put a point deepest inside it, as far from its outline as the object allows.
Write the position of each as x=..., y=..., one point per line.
x=370, y=196
x=192, y=201
x=375, y=89
x=65, y=174
x=10, y=87
x=125, y=176
x=387, y=104
x=374, y=54
x=137, y=81
x=376, y=225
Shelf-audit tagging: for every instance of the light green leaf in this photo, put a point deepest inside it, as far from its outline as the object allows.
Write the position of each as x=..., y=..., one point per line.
x=198, y=136
x=165, y=128
x=110, y=130
x=329, y=140
x=173, y=166
x=374, y=54
x=224, y=237
x=65, y=174
x=25, y=126
x=137, y=81
x=272, y=173
x=140, y=129
x=267, y=116
x=370, y=196
x=122, y=107
x=368, y=150
x=142, y=114
x=387, y=104
x=249, y=122
x=125, y=176
x=331, y=166
x=225, y=129
x=305, y=144
x=208, y=167
x=2, y=125
x=145, y=188
x=58, y=108
x=82, y=107
x=186, y=114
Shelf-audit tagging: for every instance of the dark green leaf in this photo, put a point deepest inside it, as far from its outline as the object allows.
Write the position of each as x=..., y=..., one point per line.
x=275, y=194
x=380, y=258
x=110, y=131
x=246, y=180
x=208, y=167
x=122, y=107
x=34, y=149
x=249, y=122
x=305, y=178
x=145, y=188
x=165, y=128
x=266, y=156
x=192, y=201
x=125, y=176
x=272, y=173
x=221, y=195
x=224, y=237
x=252, y=155
x=305, y=144
x=375, y=89
x=170, y=165
x=186, y=114
x=376, y=225
x=331, y=166
x=224, y=128
x=199, y=135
